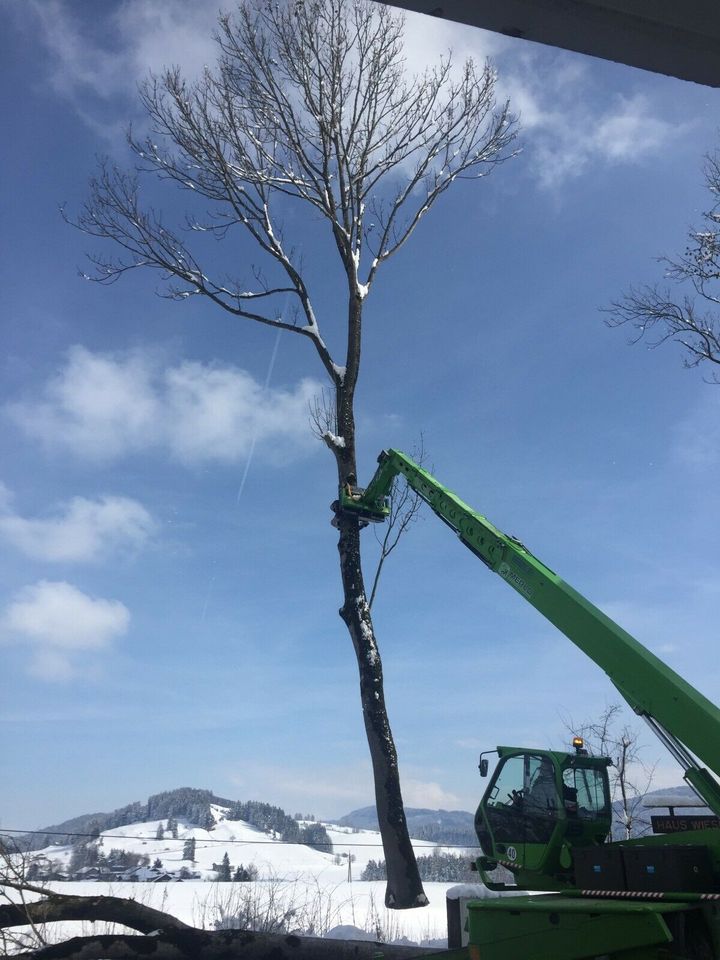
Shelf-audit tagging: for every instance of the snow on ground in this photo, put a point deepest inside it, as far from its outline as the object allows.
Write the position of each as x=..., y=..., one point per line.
x=315, y=889
x=317, y=908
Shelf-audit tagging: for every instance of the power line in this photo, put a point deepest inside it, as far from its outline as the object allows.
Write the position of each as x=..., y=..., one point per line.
x=205, y=842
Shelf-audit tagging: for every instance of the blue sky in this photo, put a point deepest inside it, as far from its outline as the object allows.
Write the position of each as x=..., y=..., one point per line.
x=163, y=623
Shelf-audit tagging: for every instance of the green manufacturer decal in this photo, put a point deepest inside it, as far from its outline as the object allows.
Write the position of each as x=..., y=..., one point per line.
x=516, y=580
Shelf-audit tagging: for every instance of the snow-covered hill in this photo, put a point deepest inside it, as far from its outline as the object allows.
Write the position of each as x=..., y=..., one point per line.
x=243, y=843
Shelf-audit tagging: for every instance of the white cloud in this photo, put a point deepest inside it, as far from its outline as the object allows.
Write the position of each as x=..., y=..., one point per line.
x=101, y=407
x=420, y=793
x=168, y=32
x=126, y=41
x=427, y=39
x=216, y=412
x=336, y=788
x=630, y=132
x=98, y=406
x=81, y=530
x=59, y=624
x=567, y=121
x=568, y=124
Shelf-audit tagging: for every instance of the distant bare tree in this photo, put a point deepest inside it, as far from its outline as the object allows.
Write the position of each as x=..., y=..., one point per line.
x=309, y=105
x=15, y=866
x=659, y=314
x=630, y=777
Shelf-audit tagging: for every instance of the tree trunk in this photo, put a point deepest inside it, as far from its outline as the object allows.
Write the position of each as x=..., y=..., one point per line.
x=171, y=939
x=404, y=887
x=191, y=944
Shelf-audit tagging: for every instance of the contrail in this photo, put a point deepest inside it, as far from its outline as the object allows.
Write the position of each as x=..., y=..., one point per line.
x=254, y=439
x=268, y=376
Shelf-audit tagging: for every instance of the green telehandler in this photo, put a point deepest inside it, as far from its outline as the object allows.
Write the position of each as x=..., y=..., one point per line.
x=546, y=815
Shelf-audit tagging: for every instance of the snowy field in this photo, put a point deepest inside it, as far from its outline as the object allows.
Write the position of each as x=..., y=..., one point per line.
x=344, y=910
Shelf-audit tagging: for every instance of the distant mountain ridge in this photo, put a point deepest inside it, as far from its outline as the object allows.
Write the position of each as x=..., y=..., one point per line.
x=452, y=827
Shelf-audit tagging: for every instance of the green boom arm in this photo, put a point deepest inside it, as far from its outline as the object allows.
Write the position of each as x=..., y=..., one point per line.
x=686, y=721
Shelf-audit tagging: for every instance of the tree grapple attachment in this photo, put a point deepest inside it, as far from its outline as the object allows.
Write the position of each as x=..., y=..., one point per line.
x=353, y=502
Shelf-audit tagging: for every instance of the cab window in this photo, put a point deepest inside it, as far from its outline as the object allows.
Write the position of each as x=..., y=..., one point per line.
x=509, y=784
x=584, y=792
x=524, y=804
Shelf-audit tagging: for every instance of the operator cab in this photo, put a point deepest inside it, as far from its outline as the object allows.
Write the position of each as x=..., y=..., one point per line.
x=540, y=804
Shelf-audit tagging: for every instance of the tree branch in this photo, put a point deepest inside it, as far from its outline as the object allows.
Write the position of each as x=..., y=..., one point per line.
x=56, y=907
x=658, y=316
x=405, y=504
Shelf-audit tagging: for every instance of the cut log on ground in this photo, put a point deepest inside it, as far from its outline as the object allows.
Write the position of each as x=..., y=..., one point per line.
x=191, y=944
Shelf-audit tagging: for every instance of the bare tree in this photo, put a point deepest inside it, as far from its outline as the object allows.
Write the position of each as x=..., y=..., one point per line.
x=630, y=776
x=658, y=314
x=15, y=865
x=309, y=103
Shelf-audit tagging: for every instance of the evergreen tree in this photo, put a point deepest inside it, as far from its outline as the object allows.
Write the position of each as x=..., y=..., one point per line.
x=172, y=827
x=436, y=867
x=160, y=833
x=315, y=835
x=157, y=865
x=374, y=870
x=189, y=849
x=224, y=870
